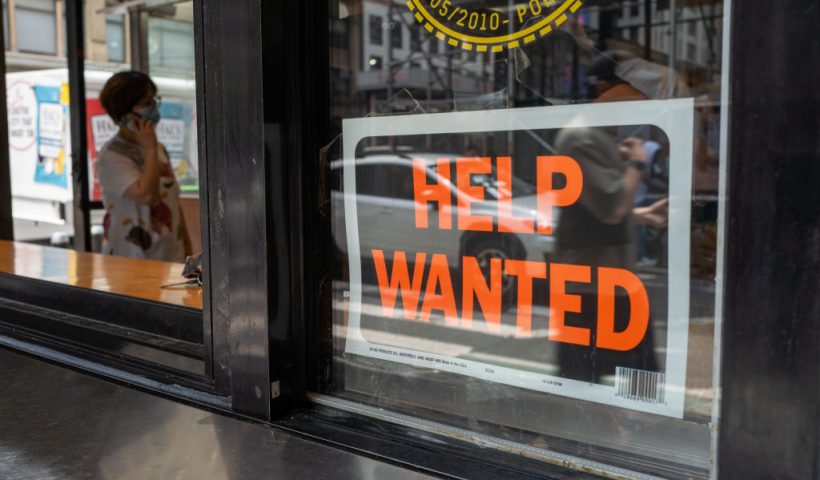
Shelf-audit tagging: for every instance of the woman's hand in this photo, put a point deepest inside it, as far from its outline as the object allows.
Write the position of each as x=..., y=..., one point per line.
x=632, y=148
x=146, y=189
x=655, y=215
x=145, y=133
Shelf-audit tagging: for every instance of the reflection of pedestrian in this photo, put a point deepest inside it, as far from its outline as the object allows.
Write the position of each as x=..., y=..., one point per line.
x=650, y=236
x=143, y=217
x=598, y=230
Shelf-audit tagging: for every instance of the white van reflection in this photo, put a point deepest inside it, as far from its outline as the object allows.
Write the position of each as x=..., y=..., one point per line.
x=386, y=213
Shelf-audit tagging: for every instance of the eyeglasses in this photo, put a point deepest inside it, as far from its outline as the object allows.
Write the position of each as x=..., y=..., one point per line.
x=155, y=101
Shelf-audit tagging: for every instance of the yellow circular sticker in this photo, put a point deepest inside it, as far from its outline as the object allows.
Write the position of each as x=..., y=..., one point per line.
x=483, y=28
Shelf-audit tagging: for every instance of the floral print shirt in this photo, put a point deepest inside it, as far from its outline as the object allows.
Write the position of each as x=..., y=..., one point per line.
x=134, y=229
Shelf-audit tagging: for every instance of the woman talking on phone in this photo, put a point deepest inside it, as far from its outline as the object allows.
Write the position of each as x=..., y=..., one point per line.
x=143, y=218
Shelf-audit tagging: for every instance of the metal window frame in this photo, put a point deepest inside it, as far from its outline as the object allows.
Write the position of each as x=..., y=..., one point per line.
x=770, y=368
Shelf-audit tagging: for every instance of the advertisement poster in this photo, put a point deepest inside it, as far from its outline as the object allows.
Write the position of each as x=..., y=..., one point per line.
x=22, y=106
x=175, y=132
x=501, y=245
x=51, y=131
x=38, y=146
x=172, y=131
x=100, y=129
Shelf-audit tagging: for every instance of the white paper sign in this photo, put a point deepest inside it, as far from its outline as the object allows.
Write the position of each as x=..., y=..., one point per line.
x=417, y=222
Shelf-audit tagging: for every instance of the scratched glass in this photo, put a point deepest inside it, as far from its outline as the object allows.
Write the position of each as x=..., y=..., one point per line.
x=524, y=217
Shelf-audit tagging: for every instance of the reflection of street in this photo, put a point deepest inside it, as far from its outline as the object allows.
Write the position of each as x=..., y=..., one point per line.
x=534, y=353
x=506, y=347
x=532, y=416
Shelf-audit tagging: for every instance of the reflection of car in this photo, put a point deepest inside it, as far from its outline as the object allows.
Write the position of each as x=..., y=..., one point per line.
x=386, y=213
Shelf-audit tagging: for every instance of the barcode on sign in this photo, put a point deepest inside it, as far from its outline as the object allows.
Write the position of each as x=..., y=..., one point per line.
x=640, y=385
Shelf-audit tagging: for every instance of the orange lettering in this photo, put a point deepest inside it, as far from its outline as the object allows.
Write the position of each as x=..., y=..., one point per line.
x=439, y=192
x=561, y=303
x=399, y=281
x=465, y=168
x=506, y=221
x=526, y=272
x=489, y=297
x=546, y=167
x=608, y=280
x=445, y=301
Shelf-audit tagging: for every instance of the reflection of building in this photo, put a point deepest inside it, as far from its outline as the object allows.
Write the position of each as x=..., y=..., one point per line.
x=393, y=54
x=696, y=34
x=379, y=52
x=555, y=68
x=35, y=36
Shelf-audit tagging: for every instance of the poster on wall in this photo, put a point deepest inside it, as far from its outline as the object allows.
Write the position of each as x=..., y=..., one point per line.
x=38, y=142
x=22, y=115
x=99, y=129
x=51, y=133
x=176, y=130
x=522, y=246
x=172, y=132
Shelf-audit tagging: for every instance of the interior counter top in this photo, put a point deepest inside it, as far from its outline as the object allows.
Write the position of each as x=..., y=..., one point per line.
x=118, y=275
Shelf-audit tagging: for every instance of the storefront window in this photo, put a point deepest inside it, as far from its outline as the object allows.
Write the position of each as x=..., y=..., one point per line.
x=36, y=26
x=115, y=38
x=42, y=190
x=525, y=226
x=138, y=244
x=171, y=41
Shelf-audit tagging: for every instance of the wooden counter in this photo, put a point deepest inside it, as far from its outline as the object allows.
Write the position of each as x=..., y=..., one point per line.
x=119, y=275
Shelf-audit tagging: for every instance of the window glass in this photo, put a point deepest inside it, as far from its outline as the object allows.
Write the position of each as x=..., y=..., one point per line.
x=339, y=34
x=415, y=37
x=396, y=35
x=115, y=38
x=138, y=242
x=171, y=45
x=37, y=111
x=376, y=30
x=547, y=283
x=36, y=26
x=383, y=178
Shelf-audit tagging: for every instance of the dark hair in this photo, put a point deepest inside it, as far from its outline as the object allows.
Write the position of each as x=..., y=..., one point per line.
x=603, y=66
x=124, y=90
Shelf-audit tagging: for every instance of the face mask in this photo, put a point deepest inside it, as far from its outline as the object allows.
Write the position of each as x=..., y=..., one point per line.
x=151, y=114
